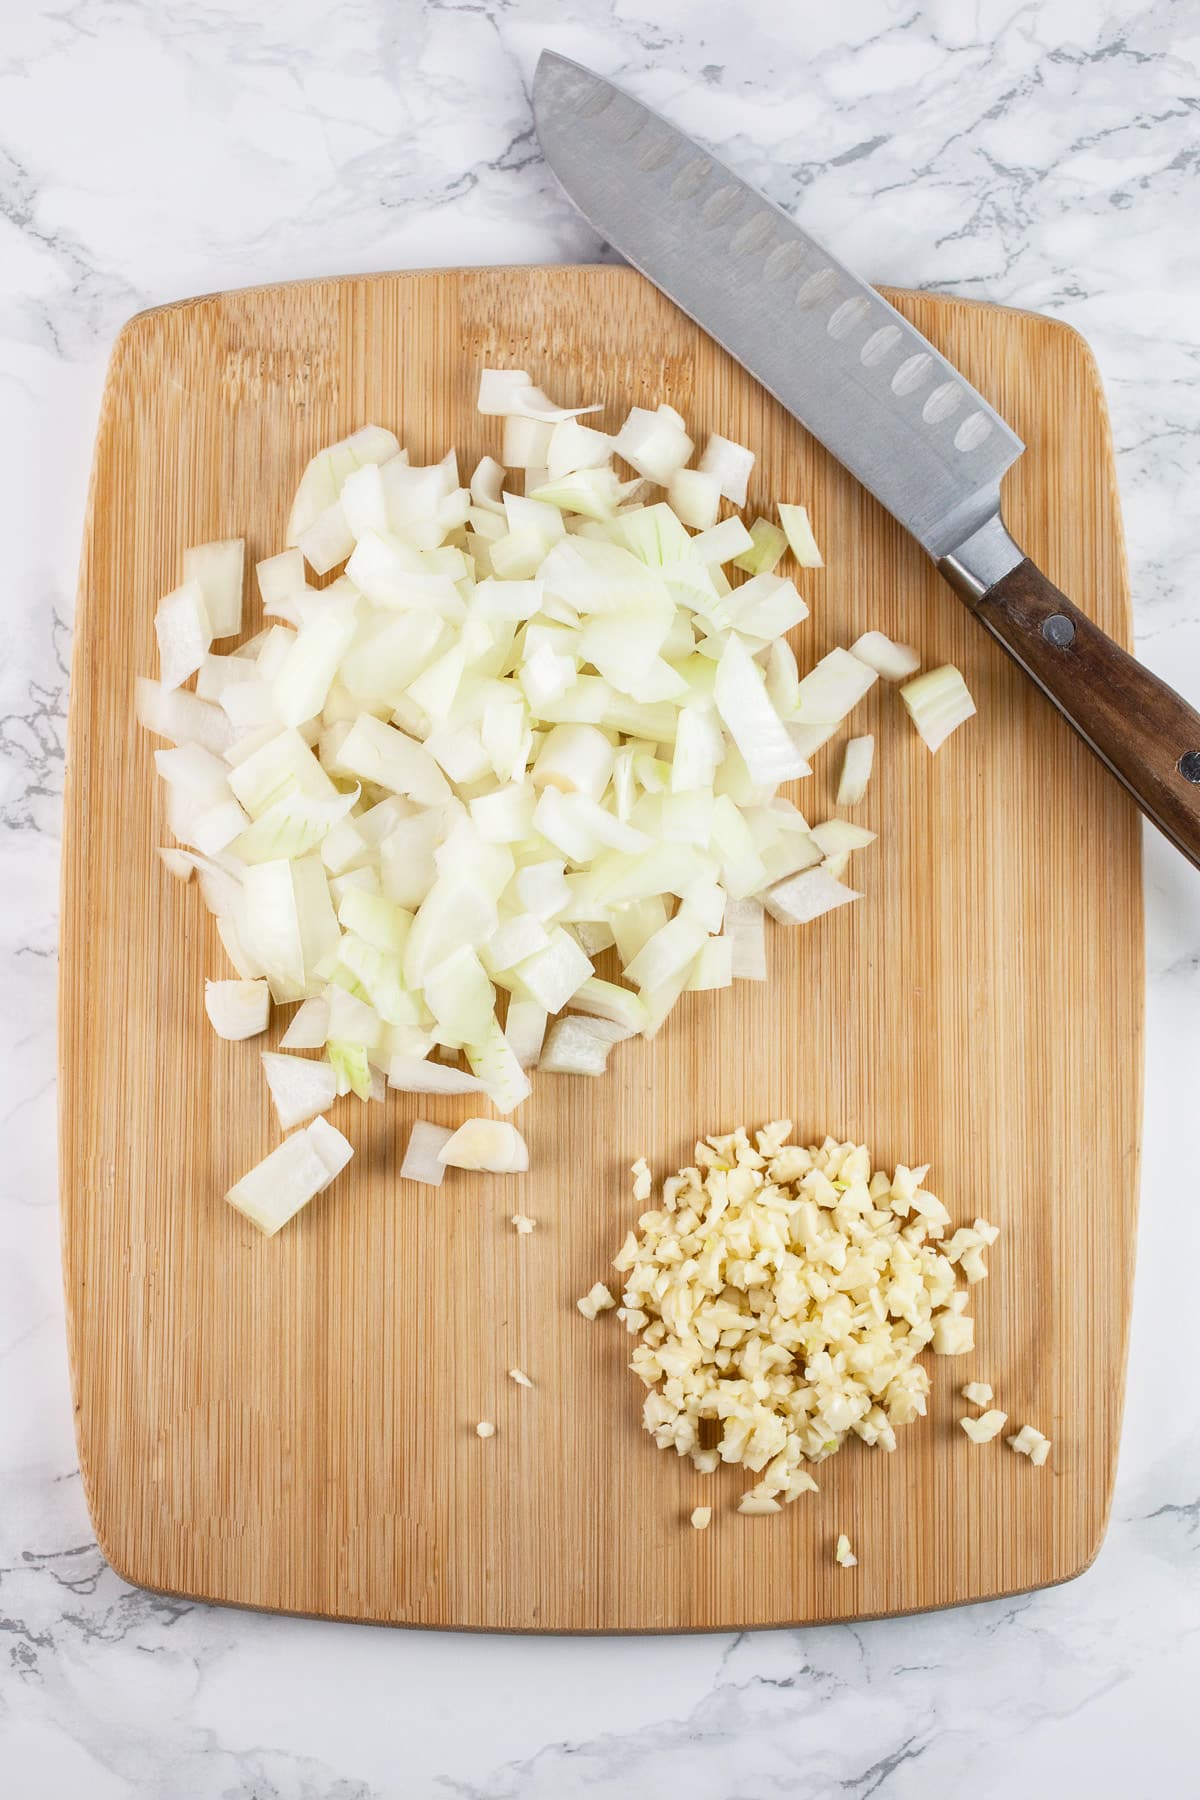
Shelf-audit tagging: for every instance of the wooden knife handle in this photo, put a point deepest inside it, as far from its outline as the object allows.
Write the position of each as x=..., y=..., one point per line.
x=1147, y=735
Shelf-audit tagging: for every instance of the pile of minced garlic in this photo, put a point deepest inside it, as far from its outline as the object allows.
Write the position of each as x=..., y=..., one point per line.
x=781, y=1297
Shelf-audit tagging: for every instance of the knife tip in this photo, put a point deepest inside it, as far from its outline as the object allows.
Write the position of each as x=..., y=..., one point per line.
x=557, y=81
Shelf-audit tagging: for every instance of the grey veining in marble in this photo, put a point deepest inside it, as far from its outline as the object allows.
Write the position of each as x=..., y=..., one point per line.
x=1041, y=153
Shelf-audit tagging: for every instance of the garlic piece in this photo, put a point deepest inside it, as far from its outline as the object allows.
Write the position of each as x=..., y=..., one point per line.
x=983, y=1430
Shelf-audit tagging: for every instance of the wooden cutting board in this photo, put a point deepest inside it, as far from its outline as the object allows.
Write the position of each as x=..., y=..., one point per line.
x=290, y=1423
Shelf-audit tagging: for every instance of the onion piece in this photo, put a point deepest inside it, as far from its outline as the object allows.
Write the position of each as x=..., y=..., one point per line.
x=281, y=579
x=891, y=660
x=607, y=1000
x=412, y=1075
x=494, y=1060
x=552, y=975
x=309, y=1027
x=766, y=550
x=525, y=1029
x=731, y=464
x=294, y=1173
x=833, y=689
x=694, y=497
x=835, y=836
x=219, y=571
x=745, y=926
x=720, y=542
x=807, y=896
x=856, y=770
x=300, y=1088
x=498, y=389
x=654, y=443
x=938, y=703
x=752, y=721
x=713, y=967
x=184, y=633
x=180, y=716
x=799, y=534
x=176, y=863
x=574, y=447
x=237, y=1009
x=490, y=1144
x=572, y=1049
x=422, y=1159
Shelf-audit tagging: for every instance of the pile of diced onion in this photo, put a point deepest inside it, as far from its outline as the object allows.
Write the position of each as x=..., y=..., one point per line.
x=515, y=732
x=781, y=1296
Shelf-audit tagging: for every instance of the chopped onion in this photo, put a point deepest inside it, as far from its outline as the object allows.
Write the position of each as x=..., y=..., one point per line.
x=654, y=443
x=836, y=836
x=299, y=1087
x=422, y=1158
x=938, y=703
x=218, y=570
x=309, y=1028
x=804, y=897
x=184, y=634
x=731, y=464
x=237, y=1009
x=525, y=1029
x=694, y=497
x=891, y=660
x=418, y=1075
x=745, y=927
x=293, y=1174
x=490, y=1144
x=856, y=770
x=767, y=547
x=799, y=534
x=607, y=1000
x=281, y=580
x=572, y=1049
x=498, y=390
x=833, y=689
x=752, y=721
x=521, y=729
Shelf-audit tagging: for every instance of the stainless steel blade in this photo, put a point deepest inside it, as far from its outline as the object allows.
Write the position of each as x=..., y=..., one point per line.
x=852, y=370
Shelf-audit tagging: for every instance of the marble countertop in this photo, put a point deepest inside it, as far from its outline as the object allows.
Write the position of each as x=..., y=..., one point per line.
x=1039, y=154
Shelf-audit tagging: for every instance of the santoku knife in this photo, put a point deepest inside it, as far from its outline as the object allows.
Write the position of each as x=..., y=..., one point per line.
x=877, y=395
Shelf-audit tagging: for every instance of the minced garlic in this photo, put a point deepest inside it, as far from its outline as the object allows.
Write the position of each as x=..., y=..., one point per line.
x=781, y=1296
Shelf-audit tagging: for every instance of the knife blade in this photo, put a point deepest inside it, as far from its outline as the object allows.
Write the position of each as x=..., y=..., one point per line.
x=878, y=395
x=857, y=375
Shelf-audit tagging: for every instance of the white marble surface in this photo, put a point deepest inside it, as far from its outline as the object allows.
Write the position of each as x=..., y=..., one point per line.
x=1042, y=154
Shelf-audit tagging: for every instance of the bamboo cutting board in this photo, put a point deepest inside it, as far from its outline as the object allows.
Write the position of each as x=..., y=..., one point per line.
x=290, y=1423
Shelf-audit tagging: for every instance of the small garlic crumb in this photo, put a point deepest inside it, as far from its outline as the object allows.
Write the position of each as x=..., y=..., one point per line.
x=1030, y=1442
x=984, y=1429
x=843, y=1553
x=977, y=1392
x=701, y=1517
x=596, y=1300
x=522, y=1225
x=485, y=1429
x=642, y=1181
x=755, y=1503
x=520, y=1377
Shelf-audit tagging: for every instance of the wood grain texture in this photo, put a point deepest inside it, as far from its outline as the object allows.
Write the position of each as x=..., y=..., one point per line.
x=289, y=1424
x=1146, y=732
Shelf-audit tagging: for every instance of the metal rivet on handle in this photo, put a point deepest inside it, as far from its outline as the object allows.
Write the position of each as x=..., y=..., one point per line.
x=1058, y=630
x=1189, y=765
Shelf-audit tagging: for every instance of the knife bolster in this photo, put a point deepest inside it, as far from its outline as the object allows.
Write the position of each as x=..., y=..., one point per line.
x=981, y=560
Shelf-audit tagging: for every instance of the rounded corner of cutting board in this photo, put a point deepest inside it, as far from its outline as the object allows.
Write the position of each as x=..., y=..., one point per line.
x=273, y=1451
